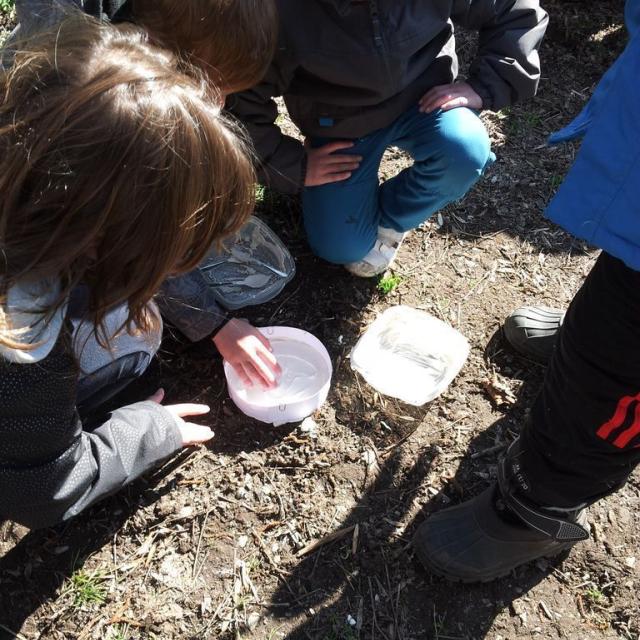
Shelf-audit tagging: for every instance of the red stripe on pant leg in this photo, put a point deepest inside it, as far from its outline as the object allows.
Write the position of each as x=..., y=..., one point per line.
x=618, y=417
x=629, y=434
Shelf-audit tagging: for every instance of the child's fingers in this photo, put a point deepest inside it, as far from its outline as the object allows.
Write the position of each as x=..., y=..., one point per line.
x=245, y=378
x=435, y=97
x=341, y=167
x=264, y=340
x=436, y=102
x=194, y=433
x=455, y=103
x=331, y=147
x=267, y=356
x=188, y=409
x=263, y=370
x=270, y=360
x=343, y=159
x=337, y=177
x=158, y=396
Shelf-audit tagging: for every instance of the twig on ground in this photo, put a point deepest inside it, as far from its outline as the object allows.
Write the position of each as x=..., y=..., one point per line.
x=316, y=544
x=488, y=452
x=388, y=450
x=279, y=307
x=195, y=570
x=263, y=547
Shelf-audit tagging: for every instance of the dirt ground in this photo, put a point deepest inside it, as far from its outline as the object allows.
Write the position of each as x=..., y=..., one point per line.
x=214, y=545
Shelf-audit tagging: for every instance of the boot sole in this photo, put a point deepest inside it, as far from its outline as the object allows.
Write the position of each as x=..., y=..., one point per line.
x=442, y=573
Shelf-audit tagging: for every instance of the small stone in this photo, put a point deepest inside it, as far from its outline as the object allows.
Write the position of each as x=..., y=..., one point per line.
x=625, y=516
x=310, y=427
x=253, y=620
x=630, y=562
x=242, y=541
x=206, y=605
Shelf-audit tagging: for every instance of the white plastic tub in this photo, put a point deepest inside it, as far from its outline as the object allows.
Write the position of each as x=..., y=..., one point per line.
x=303, y=386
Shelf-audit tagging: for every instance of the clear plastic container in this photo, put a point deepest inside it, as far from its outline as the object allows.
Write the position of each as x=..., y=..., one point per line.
x=409, y=355
x=252, y=268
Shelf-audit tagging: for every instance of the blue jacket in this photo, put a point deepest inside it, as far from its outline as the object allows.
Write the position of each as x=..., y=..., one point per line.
x=599, y=200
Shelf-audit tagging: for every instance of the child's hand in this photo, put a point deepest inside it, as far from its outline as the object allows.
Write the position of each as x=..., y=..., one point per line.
x=249, y=353
x=191, y=433
x=323, y=167
x=450, y=96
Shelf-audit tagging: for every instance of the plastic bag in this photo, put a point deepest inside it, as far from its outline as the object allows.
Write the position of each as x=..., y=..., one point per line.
x=252, y=268
x=410, y=355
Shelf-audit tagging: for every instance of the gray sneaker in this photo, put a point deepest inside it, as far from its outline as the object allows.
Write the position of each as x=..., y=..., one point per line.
x=532, y=331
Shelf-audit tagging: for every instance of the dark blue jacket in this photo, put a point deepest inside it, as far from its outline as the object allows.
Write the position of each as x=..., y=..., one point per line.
x=599, y=200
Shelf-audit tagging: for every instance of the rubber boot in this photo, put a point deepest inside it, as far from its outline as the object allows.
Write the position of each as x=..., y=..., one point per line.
x=487, y=537
x=532, y=331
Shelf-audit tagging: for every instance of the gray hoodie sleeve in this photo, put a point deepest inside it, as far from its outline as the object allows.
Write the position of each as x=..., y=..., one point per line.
x=507, y=67
x=281, y=158
x=92, y=467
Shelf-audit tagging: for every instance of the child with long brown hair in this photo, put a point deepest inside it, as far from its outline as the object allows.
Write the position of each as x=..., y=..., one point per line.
x=117, y=170
x=232, y=41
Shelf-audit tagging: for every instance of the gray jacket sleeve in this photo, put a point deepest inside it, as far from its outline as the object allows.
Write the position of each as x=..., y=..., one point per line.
x=92, y=467
x=188, y=303
x=507, y=68
x=281, y=158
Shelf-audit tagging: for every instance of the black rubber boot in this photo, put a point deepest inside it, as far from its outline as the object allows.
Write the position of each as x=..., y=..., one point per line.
x=532, y=331
x=487, y=537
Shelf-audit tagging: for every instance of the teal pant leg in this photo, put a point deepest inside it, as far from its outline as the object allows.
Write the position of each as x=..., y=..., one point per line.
x=341, y=219
x=450, y=149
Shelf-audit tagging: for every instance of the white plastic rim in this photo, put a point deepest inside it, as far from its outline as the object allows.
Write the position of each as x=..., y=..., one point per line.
x=283, y=411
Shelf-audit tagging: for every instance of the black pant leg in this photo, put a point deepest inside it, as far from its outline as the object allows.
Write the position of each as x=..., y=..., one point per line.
x=583, y=439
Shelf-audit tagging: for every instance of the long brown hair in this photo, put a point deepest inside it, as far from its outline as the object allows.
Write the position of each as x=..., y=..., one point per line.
x=233, y=40
x=116, y=168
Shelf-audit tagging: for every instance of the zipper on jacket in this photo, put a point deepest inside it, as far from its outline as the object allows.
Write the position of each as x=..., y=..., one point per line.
x=375, y=22
x=378, y=39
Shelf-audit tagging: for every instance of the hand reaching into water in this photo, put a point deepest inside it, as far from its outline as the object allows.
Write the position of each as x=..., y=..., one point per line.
x=249, y=353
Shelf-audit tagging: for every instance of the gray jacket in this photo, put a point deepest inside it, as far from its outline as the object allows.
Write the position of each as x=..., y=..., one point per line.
x=348, y=68
x=50, y=468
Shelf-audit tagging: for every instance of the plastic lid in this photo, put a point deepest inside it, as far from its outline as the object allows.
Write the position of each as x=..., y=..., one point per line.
x=410, y=355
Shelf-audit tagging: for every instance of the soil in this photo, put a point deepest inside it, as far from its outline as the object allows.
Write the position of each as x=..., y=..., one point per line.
x=215, y=544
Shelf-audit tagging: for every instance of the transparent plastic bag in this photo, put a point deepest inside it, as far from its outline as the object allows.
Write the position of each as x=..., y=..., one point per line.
x=409, y=355
x=252, y=268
